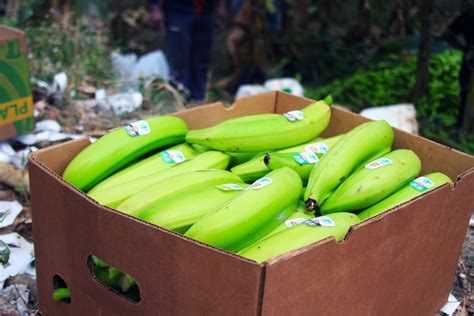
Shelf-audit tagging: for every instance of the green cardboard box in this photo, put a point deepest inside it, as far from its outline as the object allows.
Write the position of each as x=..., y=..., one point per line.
x=16, y=101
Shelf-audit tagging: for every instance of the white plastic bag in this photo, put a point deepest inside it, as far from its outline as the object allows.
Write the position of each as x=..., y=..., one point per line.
x=289, y=85
x=402, y=116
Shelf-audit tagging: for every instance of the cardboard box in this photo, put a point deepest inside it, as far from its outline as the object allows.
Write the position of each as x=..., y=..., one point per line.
x=16, y=101
x=399, y=263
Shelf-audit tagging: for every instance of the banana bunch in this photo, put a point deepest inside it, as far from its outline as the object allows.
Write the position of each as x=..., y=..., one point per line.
x=199, y=188
x=121, y=146
x=252, y=213
x=359, y=146
x=264, y=131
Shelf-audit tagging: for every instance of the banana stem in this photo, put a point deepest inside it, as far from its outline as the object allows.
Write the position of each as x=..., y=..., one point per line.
x=266, y=159
x=312, y=205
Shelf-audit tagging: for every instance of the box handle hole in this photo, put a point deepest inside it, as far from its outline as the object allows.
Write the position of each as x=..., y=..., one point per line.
x=113, y=279
x=61, y=291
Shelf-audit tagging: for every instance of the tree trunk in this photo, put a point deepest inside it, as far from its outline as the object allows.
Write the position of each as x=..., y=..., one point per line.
x=468, y=115
x=424, y=50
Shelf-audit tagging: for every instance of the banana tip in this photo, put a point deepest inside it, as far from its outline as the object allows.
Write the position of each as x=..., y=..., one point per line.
x=266, y=159
x=312, y=205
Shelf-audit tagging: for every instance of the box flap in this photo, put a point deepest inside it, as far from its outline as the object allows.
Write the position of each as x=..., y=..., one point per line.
x=57, y=157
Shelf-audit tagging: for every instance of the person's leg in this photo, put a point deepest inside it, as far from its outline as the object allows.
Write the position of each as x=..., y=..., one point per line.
x=178, y=47
x=201, y=55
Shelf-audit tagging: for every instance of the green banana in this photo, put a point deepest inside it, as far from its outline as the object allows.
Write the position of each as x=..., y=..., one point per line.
x=316, y=145
x=299, y=213
x=275, y=161
x=241, y=157
x=265, y=131
x=62, y=293
x=301, y=235
x=117, y=148
x=256, y=167
x=252, y=213
x=116, y=279
x=199, y=149
x=303, y=160
x=286, y=224
x=373, y=182
x=364, y=142
x=155, y=163
x=179, y=213
x=415, y=188
x=156, y=193
x=113, y=196
x=251, y=170
x=302, y=194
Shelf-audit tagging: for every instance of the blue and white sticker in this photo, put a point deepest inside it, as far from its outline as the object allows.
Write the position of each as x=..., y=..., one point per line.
x=260, y=183
x=294, y=116
x=172, y=156
x=422, y=184
x=294, y=221
x=137, y=128
x=306, y=157
x=317, y=148
x=230, y=187
x=377, y=163
x=320, y=221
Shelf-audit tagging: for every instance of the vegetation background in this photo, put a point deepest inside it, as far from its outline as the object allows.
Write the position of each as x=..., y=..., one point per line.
x=362, y=52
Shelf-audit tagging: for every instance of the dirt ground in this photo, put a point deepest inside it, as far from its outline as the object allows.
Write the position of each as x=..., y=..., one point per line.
x=463, y=284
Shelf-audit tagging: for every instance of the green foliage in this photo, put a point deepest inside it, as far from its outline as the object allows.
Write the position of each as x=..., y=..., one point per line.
x=66, y=43
x=392, y=81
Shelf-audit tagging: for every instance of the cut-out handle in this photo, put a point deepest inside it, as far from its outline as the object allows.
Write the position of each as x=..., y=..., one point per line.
x=61, y=292
x=113, y=279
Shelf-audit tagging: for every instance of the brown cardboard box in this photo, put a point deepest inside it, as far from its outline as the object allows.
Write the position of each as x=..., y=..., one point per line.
x=400, y=263
x=16, y=101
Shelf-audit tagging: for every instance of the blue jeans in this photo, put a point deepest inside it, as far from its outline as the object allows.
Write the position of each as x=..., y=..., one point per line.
x=188, y=50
